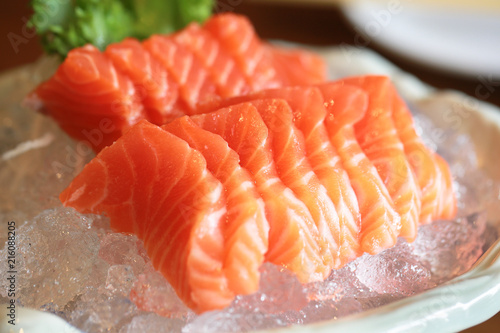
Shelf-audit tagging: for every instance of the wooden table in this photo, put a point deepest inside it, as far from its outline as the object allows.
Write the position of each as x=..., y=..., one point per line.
x=315, y=25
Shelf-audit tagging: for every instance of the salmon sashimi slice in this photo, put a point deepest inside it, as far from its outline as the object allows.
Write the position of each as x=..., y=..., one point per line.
x=166, y=76
x=87, y=81
x=188, y=72
x=287, y=144
x=309, y=113
x=380, y=223
x=221, y=67
x=293, y=235
x=295, y=67
x=308, y=109
x=448, y=201
x=433, y=176
x=188, y=247
x=246, y=228
x=237, y=36
x=156, y=89
x=378, y=137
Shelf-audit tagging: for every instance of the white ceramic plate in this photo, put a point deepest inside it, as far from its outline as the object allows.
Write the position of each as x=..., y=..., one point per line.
x=32, y=321
x=463, y=302
x=460, y=40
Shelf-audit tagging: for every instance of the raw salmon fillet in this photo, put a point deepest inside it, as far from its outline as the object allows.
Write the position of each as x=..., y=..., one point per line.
x=152, y=183
x=306, y=177
x=380, y=223
x=293, y=235
x=155, y=88
x=294, y=169
x=165, y=77
x=432, y=173
x=246, y=228
x=238, y=38
x=230, y=80
x=307, y=112
x=378, y=137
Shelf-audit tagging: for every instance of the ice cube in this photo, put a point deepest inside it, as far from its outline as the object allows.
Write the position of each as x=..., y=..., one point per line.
x=333, y=298
x=393, y=271
x=153, y=323
x=121, y=249
x=316, y=311
x=450, y=248
x=372, y=302
x=279, y=291
x=427, y=130
x=120, y=280
x=100, y=269
x=475, y=190
x=341, y=283
x=97, y=312
x=55, y=255
x=35, y=178
x=152, y=292
x=229, y=321
x=276, y=304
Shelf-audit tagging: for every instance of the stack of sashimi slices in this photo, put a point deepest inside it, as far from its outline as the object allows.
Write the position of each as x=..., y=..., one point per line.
x=243, y=154
x=165, y=77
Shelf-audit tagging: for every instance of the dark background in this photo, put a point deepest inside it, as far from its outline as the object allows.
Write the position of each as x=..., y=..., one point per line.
x=313, y=25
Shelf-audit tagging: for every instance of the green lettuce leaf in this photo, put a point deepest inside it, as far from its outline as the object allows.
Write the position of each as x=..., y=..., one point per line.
x=66, y=24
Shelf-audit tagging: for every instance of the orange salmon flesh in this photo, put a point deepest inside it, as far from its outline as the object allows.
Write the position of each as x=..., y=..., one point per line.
x=306, y=177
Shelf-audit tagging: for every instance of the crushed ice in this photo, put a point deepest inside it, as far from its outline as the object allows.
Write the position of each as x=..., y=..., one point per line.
x=99, y=281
